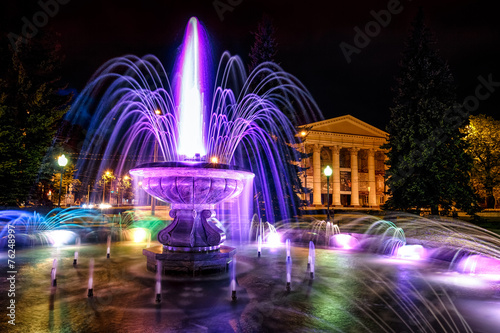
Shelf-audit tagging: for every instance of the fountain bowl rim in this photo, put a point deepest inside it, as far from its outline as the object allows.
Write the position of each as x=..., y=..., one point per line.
x=189, y=168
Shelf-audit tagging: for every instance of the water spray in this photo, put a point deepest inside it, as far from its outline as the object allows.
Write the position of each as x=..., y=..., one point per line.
x=53, y=273
x=288, y=273
x=109, y=247
x=233, y=281
x=77, y=244
x=259, y=245
x=287, y=243
x=158, y=281
x=311, y=258
x=91, y=279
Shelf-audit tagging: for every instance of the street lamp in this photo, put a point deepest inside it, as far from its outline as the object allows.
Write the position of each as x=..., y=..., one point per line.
x=369, y=196
x=158, y=112
x=62, y=161
x=106, y=176
x=303, y=133
x=328, y=173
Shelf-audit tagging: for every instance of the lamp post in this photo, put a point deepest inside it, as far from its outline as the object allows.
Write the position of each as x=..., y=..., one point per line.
x=369, y=196
x=62, y=161
x=107, y=175
x=158, y=112
x=88, y=195
x=304, y=134
x=328, y=173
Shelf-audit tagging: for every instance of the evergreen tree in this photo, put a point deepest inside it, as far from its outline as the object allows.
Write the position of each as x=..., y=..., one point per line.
x=428, y=165
x=265, y=45
x=30, y=108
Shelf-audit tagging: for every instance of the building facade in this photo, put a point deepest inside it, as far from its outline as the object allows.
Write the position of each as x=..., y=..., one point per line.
x=351, y=148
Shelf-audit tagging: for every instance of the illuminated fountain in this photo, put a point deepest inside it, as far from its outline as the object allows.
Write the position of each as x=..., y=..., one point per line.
x=191, y=143
x=401, y=273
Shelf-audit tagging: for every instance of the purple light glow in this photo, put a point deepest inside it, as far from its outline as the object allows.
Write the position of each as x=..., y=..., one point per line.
x=190, y=91
x=344, y=241
x=411, y=252
x=274, y=239
x=480, y=265
x=60, y=237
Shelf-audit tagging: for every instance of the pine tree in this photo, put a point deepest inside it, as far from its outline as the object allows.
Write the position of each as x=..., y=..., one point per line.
x=265, y=45
x=30, y=108
x=428, y=166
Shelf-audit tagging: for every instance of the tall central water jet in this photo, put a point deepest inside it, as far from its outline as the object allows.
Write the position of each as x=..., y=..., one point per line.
x=190, y=91
x=193, y=189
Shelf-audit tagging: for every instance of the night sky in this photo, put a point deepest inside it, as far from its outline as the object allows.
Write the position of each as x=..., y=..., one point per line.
x=308, y=36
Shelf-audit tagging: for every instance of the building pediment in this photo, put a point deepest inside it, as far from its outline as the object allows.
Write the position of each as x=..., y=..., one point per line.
x=346, y=125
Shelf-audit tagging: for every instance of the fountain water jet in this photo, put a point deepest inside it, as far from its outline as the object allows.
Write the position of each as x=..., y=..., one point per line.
x=90, y=287
x=311, y=258
x=158, y=281
x=53, y=273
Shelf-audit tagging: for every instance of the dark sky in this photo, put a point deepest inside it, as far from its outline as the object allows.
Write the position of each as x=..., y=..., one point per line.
x=308, y=34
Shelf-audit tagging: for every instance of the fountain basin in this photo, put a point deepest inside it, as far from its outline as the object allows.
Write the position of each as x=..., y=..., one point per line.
x=189, y=262
x=193, y=189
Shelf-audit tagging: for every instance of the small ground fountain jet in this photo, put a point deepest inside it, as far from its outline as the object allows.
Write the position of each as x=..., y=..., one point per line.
x=108, y=251
x=233, y=281
x=311, y=258
x=53, y=273
x=259, y=245
x=158, y=281
x=287, y=245
x=288, y=274
x=77, y=244
x=90, y=287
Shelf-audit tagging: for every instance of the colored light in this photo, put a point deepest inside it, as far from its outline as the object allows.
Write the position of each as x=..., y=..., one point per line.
x=214, y=160
x=274, y=239
x=60, y=237
x=411, y=252
x=344, y=241
x=158, y=112
x=62, y=160
x=139, y=235
x=190, y=93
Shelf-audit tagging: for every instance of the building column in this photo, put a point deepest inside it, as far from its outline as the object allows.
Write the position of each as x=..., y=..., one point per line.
x=354, y=177
x=372, y=197
x=317, y=175
x=336, y=175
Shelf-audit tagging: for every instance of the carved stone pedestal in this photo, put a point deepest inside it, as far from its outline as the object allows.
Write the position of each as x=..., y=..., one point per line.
x=192, y=242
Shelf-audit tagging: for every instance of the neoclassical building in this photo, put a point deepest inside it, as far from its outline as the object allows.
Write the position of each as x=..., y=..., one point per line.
x=351, y=148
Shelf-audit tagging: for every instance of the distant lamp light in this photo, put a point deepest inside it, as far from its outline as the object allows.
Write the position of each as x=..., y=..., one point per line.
x=328, y=171
x=62, y=160
x=158, y=112
x=214, y=160
x=303, y=133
